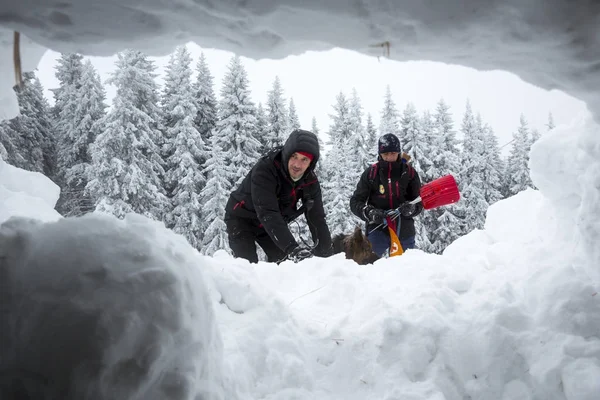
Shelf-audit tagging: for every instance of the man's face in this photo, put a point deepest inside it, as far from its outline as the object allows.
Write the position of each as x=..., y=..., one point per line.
x=390, y=157
x=298, y=165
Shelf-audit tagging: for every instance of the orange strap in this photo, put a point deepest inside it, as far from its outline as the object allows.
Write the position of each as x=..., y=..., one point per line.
x=395, y=245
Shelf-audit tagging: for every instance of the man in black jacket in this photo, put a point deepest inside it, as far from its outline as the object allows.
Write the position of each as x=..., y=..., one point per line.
x=387, y=184
x=267, y=200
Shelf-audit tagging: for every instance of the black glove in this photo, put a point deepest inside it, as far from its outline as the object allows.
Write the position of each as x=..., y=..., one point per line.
x=408, y=210
x=299, y=253
x=374, y=215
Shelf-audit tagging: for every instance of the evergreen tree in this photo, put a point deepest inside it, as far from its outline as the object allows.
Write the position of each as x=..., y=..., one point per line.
x=277, y=115
x=445, y=224
x=293, y=121
x=359, y=158
x=126, y=168
x=550, y=125
x=262, y=128
x=372, y=139
x=185, y=150
x=237, y=122
x=315, y=129
x=424, y=167
x=339, y=182
x=214, y=197
x=27, y=139
x=206, y=102
x=389, y=115
x=517, y=169
x=494, y=167
x=471, y=179
x=79, y=124
x=413, y=139
x=69, y=69
x=535, y=135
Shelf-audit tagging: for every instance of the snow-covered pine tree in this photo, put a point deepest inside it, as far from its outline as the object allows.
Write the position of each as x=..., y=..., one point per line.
x=372, y=139
x=550, y=124
x=445, y=224
x=68, y=72
x=277, y=115
x=293, y=120
x=517, y=169
x=425, y=163
x=339, y=183
x=413, y=138
x=8, y=152
x=389, y=115
x=358, y=140
x=184, y=149
x=262, y=128
x=237, y=122
x=79, y=123
x=315, y=129
x=424, y=167
x=471, y=177
x=206, y=101
x=127, y=169
x=214, y=197
x=535, y=135
x=28, y=138
x=494, y=167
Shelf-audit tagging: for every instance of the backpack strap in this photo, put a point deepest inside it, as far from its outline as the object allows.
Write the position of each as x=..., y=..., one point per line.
x=373, y=172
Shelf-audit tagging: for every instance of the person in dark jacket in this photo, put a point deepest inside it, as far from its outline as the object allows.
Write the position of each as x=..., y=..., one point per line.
x=259, y=210
x=386, y=185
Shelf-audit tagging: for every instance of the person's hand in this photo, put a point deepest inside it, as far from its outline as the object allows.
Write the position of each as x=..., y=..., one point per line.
x=410, y=210
x=374, y=215
x=300, y=253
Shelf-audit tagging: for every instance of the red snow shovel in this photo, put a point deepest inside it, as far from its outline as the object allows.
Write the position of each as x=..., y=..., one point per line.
x=439, y=192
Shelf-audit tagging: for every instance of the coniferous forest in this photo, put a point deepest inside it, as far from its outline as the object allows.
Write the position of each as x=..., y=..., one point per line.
x=174, y=152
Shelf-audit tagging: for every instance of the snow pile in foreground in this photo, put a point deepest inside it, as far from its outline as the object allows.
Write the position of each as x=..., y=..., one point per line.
x=26, y=193
x=96, y=308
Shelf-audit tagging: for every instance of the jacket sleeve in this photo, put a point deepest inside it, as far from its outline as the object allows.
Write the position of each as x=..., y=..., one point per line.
x=361, y=195
x=412, y=192
x=264, y=198
x=317, y=224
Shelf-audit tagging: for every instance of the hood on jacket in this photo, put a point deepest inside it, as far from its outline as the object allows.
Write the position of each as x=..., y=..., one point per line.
x=300, y=140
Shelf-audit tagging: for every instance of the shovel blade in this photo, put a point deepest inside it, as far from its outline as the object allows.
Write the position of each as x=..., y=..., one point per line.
x=439, y=192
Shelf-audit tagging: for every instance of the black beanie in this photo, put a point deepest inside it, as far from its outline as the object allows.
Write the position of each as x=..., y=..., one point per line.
x=389, y=143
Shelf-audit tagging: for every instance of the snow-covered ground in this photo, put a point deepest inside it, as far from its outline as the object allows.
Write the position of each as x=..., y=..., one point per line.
x=506, y=313
x=95, y=308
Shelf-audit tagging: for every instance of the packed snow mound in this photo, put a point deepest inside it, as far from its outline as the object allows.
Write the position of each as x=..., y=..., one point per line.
x=101, y=309
x=27, y=194
x=554, y=44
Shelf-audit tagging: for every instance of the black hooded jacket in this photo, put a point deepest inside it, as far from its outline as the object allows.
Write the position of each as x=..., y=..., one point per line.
x=386, y=185
x=269, y=196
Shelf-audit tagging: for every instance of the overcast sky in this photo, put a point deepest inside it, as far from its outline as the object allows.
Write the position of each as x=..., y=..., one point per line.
x=313, y=79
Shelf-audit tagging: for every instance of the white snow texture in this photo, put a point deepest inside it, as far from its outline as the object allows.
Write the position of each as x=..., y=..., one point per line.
x=95, y=308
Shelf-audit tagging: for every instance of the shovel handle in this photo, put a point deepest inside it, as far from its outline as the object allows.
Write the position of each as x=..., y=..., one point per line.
x=415, y=201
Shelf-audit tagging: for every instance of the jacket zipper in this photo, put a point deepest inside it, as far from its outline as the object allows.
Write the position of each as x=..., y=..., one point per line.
x=390, y=185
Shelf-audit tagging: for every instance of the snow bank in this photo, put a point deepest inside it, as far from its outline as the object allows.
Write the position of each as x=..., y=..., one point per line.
x=27, y=194
x=96, y=308
x=565, y=166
